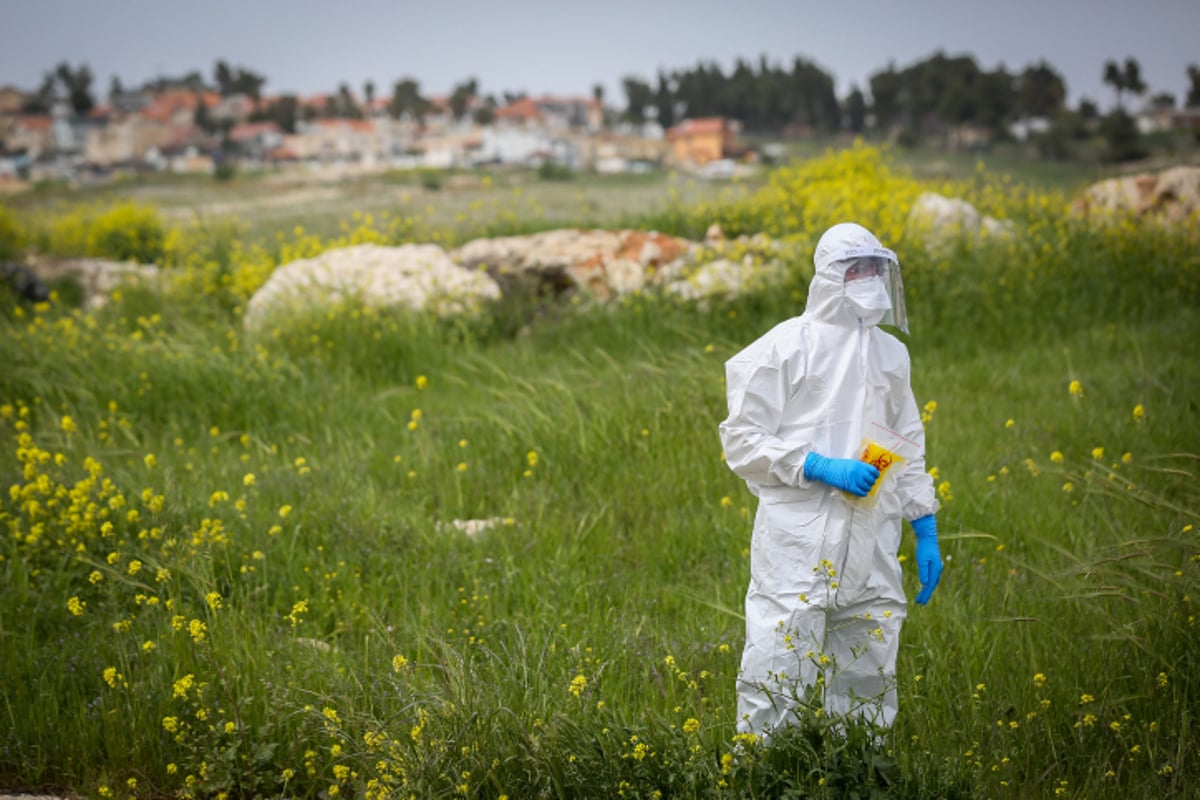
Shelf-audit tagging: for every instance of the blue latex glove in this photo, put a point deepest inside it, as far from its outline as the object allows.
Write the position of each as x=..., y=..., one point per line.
x=847, y=474
x=929, y=557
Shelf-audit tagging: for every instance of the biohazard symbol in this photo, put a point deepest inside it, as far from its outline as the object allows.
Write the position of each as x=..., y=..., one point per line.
x=882, y=460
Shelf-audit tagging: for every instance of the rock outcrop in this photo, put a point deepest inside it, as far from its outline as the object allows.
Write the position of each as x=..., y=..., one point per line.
x=97, y=277
x=421, y=277
x=1172, y=195
x=939, y=221
x=604, y=263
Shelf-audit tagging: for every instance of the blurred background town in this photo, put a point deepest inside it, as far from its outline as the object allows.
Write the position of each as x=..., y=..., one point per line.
x=714, y=122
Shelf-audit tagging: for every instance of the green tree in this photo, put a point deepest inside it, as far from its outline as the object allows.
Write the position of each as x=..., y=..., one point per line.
x=1193, y=95
x=346, y=107
x=223, y=76
x=886, y=90
x=461, y=96
x=283, y=111
x=407, y=99
x=250, y=84
x=369, y=94
x=1124, y=78
x=737, y=95
x=1122, y=140
x=996, y=96
x=772, y=105
x=485, y=114
x=201, y=118
x=77, y=84
x=1040, y=92
x=1163, y=101
x=1133, y=78
x=286, y=108
x=598, y=97
x=42, y=101
x=638, y=97
x=817, y=96
x=856, y=110
x=664, y=102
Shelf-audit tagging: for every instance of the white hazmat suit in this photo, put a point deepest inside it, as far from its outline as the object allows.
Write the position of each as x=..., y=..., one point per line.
x=825, y=601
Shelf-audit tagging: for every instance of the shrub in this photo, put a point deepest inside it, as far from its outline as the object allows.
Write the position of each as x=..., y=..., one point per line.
x=12, y=239
x=550, y=171
x=125, y=232
x=431, y=179
x=128, y=232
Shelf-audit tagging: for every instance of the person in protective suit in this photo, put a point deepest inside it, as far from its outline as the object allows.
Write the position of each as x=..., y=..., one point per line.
x=807, y=402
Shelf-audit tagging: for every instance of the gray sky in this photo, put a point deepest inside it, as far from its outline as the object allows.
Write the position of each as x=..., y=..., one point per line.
x=566, y=46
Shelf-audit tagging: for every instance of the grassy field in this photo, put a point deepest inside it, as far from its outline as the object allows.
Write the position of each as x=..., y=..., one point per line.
x=466, y=203
x=268, y=205
x=239, y=566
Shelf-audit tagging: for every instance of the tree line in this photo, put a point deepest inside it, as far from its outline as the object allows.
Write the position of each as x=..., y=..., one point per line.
x=921, y=100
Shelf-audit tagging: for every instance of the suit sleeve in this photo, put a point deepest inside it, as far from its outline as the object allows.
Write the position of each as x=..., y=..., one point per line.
x=757, y=391
x=914, y=485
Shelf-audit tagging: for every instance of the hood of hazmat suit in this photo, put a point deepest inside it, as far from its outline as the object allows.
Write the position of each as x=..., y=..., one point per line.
x=825, y=586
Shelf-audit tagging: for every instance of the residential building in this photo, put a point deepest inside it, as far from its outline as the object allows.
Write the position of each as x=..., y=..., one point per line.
x=126, y=140
x=255, y=140
x=556, y=114
x=12, y=100
x=699, y=141
x=343, y=141
x=31, y=133
x=178, y=106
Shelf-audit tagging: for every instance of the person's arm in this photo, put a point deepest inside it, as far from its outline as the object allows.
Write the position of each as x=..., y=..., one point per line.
x=757, y=392
x=918, y=499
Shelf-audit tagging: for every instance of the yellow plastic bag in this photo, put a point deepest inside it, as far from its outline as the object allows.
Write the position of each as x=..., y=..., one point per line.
x=879, y=456
x=884, y=449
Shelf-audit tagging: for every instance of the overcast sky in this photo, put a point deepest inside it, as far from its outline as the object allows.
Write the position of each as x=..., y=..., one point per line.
x=566, y=46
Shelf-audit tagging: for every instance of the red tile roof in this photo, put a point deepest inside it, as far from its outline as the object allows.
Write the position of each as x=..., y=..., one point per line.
x=524, y=108
x=360, y=125
x=249, y=130
x=701, y=125
x=35, y=122
x=167, y=104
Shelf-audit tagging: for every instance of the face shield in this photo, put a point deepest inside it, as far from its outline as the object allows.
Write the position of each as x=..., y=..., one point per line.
x=872, y=285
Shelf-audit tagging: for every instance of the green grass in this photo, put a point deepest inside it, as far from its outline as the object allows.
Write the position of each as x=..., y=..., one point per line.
x=269, y=204
x=587, y=644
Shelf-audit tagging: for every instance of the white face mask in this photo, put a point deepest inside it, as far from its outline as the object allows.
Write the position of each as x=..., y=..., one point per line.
x=868, y=298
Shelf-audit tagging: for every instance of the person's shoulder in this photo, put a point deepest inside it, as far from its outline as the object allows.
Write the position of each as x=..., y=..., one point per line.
x=777, y=342
x=890, y=345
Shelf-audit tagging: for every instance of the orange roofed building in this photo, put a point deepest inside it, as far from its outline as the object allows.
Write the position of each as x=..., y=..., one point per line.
x=699, y=141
